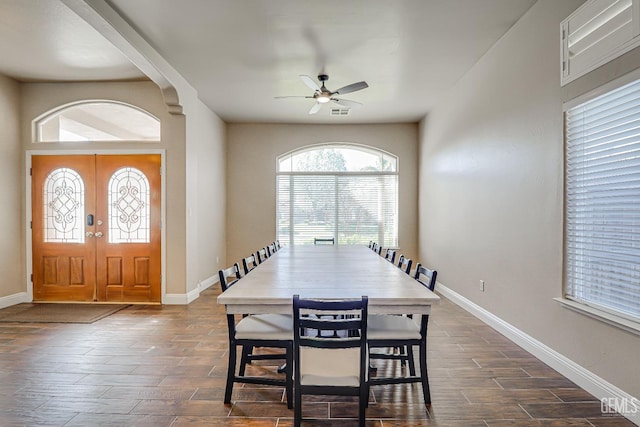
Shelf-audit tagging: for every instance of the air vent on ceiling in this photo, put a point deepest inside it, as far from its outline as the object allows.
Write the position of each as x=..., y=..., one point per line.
x=340, y=111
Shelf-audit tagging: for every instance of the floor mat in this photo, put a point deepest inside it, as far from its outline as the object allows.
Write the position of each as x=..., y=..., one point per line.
x=57, y=313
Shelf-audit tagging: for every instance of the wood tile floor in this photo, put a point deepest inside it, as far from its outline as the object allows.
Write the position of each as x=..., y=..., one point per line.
x=165, y=366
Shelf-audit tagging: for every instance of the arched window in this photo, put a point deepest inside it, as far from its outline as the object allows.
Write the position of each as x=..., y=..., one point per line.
x=97, y=121
x=345, y=191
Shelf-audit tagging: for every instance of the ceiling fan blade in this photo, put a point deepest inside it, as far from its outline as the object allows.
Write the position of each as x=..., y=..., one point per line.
x=315, y=108
x=310, y=82
x=346, y=103
x=352, y=88
x=292, y=96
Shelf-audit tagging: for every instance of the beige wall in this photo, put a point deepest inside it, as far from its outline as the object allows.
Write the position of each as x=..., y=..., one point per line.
x=12, y=249
x=38, y=98
x=251, y=166
x=206, y=189
x=194, y=174
x=491, y=196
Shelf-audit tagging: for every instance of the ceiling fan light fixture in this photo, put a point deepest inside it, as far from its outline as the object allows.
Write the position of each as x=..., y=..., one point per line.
x=322, y=95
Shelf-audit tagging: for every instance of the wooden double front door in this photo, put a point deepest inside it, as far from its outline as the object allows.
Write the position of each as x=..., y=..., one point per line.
x=96, y=228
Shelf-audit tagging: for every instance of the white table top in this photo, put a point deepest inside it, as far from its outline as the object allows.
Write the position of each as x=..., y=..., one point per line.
x=327, y=272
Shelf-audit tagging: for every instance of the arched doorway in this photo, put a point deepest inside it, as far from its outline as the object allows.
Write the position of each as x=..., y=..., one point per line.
x=96, y=218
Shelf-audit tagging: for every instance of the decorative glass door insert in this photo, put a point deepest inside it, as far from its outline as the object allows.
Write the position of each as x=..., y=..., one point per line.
x=64, y=207
x=128, y=207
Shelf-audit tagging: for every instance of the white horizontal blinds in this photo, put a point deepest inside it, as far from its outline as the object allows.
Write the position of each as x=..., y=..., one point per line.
x=603, y=201
x=314, y=207
x=368, y=209
x=283, y=209
x=597, y=32
x=353, y=209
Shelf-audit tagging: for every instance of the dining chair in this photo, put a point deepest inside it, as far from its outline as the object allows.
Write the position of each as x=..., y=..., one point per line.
x=278, y=247
x=390, y=255
x=271, y=249
x=262, y=255
x=426, y=276
x=404, y=332
x=330, y=365
x=324, y=241
x=249, y=263
x=257, y=330
x=232, y=272
x=404, y=264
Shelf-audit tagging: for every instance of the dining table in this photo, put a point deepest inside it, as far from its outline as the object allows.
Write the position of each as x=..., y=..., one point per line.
x=327, y=272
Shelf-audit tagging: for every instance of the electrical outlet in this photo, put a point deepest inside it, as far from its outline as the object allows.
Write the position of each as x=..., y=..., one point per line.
x=481, y=285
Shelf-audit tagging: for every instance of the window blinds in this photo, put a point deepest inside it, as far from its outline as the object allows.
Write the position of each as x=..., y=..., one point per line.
x=352, y=208
x=602, y=243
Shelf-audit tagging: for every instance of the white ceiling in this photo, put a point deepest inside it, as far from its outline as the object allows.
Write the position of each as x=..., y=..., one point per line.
x=239, y=55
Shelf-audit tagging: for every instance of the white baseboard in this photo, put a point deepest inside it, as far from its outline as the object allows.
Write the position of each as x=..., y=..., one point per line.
x=586, y=379
x=14, y=299
x=184, y=299
x=181, y=299
x=175, y=299
x=207, y=283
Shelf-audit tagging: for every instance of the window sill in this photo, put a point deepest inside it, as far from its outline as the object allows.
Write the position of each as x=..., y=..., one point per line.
x=619, y=322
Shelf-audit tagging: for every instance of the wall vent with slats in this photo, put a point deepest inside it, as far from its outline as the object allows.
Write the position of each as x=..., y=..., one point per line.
x=340, y=111
x=596, y=33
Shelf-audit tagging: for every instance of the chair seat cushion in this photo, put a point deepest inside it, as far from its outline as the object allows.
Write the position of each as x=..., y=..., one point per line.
x=330, y=367
x=265, y=327
x=391, y=327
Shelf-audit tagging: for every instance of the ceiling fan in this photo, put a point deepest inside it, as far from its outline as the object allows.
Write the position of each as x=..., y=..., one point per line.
x=322, y=95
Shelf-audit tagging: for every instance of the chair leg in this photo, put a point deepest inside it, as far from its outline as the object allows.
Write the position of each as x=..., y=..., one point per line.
x=297, y=404
x=244, y=359
x=412, y=363
x=362, y=405
x=289, y=377
x=423, y=373
x=231, y=370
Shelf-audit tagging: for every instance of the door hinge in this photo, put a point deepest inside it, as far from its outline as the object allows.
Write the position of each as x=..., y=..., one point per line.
x=31, y=225
x=30, y=171
x=31, y=278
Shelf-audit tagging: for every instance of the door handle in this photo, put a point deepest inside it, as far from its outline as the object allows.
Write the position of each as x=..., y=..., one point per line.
x=89, y=234
x=89, y=220
x=99, y=234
